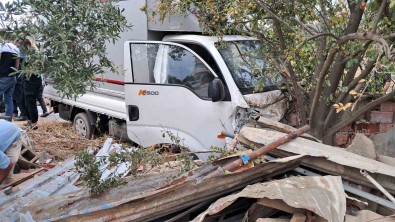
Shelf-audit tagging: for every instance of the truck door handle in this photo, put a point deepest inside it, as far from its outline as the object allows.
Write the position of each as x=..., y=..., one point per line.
x=133, y=113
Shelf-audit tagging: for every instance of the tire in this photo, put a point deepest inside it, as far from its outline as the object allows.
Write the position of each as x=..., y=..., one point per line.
x=82, y=125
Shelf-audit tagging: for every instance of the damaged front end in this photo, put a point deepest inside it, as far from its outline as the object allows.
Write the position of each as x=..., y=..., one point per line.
x=272, y=105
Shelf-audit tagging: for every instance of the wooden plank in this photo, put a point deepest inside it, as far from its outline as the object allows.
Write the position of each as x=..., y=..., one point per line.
x=272, y=220
x=281, y=127
x=298, y=217
x=257, y=211
x=22, y=177
x=26, y=165
x=279, y=205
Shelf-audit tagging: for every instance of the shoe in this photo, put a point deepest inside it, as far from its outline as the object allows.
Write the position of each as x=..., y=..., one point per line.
x=28, y=123
x=45, y=114
x=20, y=118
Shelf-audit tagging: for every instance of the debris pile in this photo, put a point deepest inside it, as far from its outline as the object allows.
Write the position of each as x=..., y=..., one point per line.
x=281, y=174
x=60, y=140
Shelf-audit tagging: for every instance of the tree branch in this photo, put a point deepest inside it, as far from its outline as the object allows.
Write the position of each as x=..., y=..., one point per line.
x=356, y=114
x=268, y=10
x=343, y=95
x=390, y=37
x=305, y=27
x=320, y=82
x=367, y=36
x=378, y=16
x=320, y=35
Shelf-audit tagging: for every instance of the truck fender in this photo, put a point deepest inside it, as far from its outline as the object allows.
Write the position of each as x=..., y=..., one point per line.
x=92, y=117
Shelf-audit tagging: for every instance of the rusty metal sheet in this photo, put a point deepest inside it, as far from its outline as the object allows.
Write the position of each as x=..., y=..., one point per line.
x=323, y=196
x=55, y=181
x=311, y=148
x=146, y=206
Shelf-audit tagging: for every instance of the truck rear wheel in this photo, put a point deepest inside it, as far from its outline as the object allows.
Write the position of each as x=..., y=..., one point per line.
x=82, y=125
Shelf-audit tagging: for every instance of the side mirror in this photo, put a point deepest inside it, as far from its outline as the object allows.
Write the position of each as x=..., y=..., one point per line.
x=216, y=90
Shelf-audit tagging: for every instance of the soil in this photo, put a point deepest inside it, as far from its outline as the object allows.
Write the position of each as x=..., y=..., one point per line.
x=58, y=139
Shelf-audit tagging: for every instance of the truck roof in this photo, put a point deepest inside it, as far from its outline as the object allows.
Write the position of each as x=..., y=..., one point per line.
x=205, y=39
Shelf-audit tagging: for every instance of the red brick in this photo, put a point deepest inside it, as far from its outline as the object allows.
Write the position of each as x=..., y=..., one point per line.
x=346, y=129
x=342, y=138
x=384, y=127
x=367, y=129
x=381, y=117
x=387, y=107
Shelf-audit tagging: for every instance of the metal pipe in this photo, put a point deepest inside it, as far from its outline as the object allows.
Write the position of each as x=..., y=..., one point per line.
x=259, y=152
x=376, y=184
x=226, y=134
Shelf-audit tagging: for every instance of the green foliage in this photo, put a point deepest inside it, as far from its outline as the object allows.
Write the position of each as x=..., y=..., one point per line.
x=70, y=36
x=88, y=166
x=139, y=160
x=220, y=152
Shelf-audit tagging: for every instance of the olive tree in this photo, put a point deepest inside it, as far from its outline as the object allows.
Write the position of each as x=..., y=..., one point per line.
x=70, y=36
x=327, y=50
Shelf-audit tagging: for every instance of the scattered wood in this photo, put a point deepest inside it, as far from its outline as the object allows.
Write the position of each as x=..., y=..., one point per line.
x=22, y=177
x=298, y=217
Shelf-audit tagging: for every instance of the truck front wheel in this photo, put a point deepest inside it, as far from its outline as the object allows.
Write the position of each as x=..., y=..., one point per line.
x=82, y=125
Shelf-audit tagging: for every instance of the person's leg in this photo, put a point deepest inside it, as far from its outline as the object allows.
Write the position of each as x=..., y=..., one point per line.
x=3, y=86
x=9, y=90
x=22, y=105
x=17, y=97
x=30, y=102
x=13, y=153
x=41, y=100
x=2, y=105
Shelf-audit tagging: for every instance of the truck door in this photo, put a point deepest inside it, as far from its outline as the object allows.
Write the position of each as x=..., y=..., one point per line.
x=167, y=93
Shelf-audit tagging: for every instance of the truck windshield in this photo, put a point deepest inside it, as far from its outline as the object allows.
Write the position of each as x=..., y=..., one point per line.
x=246, y=63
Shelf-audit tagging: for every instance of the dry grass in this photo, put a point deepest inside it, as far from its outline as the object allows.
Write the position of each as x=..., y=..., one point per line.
x=60, y=140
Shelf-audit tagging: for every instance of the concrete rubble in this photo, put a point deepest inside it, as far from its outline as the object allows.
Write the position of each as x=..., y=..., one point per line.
x=278, y=174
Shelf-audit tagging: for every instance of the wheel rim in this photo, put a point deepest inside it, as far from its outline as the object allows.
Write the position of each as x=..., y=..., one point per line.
x=80, y=127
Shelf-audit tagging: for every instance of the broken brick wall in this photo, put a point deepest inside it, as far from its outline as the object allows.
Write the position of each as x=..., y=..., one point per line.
x=379, y=120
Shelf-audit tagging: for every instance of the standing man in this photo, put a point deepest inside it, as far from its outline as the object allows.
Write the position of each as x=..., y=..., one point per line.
x=31, y=89
x=9, y=63
x=10, y=148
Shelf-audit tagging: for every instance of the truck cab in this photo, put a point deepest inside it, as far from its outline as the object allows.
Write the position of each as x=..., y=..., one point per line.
x=193, y=87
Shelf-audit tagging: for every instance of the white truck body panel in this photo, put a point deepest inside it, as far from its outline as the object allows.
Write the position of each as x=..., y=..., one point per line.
x=101, y=101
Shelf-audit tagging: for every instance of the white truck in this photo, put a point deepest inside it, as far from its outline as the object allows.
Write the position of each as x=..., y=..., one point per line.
x=174, y=80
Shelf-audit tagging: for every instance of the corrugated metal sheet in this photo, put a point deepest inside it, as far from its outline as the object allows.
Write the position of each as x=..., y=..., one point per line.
x=323, y=196
x=56, y=181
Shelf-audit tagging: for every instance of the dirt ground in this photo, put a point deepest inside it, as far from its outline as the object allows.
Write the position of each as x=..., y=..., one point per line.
x=59, y=139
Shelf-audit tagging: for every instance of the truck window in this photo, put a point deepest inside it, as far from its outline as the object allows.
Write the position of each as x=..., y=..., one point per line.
x=246, y=62
x=208, y=58
x=170, y=64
